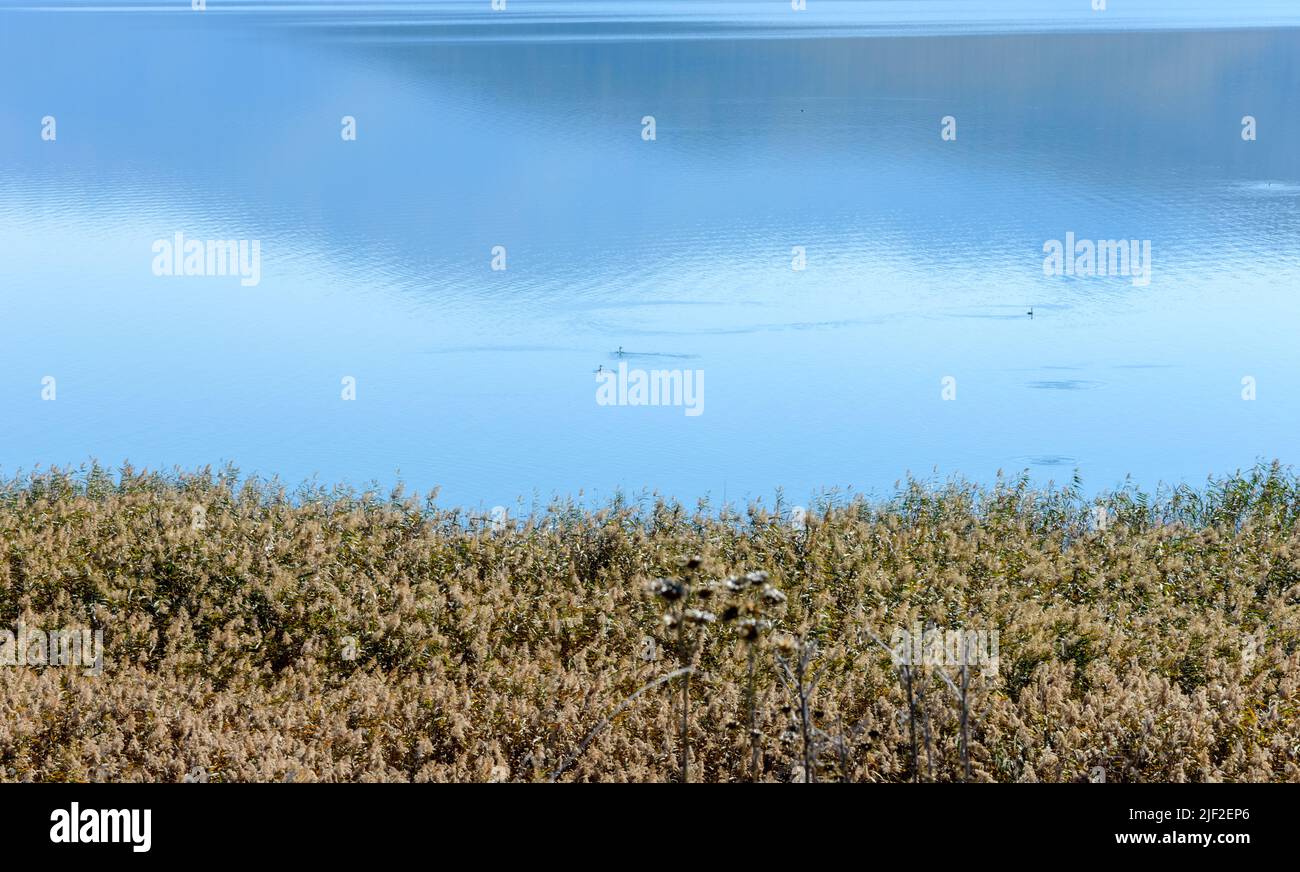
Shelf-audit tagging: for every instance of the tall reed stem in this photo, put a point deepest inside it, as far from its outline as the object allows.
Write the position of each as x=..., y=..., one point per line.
x=911, y=724
x=753, y=716
x=965, y=720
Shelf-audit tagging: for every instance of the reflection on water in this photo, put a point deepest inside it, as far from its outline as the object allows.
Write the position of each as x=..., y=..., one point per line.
x=924, y=257
x=1068, y=384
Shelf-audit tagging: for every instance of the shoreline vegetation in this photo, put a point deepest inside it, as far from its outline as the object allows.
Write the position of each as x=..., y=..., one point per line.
x=253, y=635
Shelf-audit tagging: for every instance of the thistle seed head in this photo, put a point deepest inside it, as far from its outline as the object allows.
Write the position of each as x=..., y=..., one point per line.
x=669, y=589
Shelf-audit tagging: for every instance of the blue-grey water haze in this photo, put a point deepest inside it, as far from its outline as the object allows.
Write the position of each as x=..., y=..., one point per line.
x=775, y=129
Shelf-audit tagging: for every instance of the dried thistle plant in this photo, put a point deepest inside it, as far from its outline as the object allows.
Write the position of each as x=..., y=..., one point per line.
x=688, y=624
x=795, y=654
x=754, y=601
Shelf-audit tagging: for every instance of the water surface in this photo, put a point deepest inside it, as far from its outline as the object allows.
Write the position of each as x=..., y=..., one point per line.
x=523, y=129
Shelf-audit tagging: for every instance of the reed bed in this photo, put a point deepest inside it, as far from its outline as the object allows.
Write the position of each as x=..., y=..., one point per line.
x=252, y=633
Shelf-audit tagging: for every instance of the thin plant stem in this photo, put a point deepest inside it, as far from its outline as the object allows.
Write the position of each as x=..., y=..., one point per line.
x=803, y=716
x=925, y=723
x=753, y=715
x=582, y=746
x=965, y=721
x=685, y=741
x=911, y=723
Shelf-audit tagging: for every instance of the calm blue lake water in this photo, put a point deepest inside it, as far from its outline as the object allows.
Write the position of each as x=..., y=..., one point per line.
x=773, y=130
